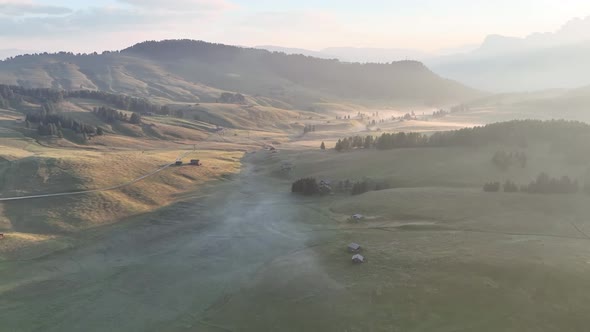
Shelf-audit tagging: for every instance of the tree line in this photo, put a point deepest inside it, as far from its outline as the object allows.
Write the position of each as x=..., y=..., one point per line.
x=561, y=133
x=543, y=184
x=14, y=95
x=355, y=142
x=50, y=123
x=310, y=186
x=110, y=115
x=366, y=185
x=504, y=160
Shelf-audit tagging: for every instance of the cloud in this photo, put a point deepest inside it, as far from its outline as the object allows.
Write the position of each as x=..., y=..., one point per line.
x=96, y=19
x=182, y=5
x=20, y=8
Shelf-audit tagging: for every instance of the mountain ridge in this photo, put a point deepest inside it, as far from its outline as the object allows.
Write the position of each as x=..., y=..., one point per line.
x=189, y=70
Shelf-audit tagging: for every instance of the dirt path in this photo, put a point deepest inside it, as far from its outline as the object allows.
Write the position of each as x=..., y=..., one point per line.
x=73, y=193
x=162, y=272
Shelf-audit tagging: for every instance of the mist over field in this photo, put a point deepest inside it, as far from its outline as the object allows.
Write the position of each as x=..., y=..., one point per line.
x=223, y=165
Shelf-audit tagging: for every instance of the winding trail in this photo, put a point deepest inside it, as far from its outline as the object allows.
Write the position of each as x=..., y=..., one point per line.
x=72, y=193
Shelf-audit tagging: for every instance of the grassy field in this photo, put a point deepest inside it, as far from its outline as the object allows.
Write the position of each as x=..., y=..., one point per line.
x=442, y=254
x=246, y=254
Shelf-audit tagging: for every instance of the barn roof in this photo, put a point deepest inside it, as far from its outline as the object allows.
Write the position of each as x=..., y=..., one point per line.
x=358, y=258
x=354, y=246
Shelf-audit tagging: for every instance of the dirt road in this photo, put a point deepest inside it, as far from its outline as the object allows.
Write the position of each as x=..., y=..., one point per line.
x=165, y=271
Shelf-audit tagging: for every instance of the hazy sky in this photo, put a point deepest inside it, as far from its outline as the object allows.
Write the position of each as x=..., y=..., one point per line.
x=88, y=25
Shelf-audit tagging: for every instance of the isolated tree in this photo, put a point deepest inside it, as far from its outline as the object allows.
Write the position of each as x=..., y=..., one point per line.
x=338, y=146
x=99, y=131
x=323, y=146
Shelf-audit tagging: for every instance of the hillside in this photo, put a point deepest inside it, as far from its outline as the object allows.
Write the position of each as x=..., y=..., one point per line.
x=191, y=71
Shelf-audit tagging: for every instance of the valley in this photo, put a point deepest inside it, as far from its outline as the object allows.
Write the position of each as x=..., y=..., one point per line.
x=470, y=208
x=246, y=254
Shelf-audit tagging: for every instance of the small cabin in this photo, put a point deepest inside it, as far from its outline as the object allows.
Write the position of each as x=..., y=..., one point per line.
x=195, y=162
x=358, y=259
x=178, y=163
x=357, y=217
x=354, y=247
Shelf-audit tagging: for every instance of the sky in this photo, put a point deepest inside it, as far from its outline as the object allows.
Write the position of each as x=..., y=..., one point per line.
x=426, y=25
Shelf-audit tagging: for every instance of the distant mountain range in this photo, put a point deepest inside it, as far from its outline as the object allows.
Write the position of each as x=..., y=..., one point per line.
x=187, y=70
x=539, y=61
x=500, y=64
x=355, y=54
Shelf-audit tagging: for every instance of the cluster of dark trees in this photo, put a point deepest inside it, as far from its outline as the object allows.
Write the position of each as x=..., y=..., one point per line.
x=306, y=186
x=408, y=116
x=504, y=160
x=308, y=128
x=14, y=95
x=49, y=129
x=367, y=185
x=361, y=187
x=568, y=135
x=310, y=186
x=508, y=186
x=232, y=98
x=354, y=142
x=400, y=140
x=543, y=184
x=110, y=115
x=50, y=123
x=133, y=104
x=439, y=114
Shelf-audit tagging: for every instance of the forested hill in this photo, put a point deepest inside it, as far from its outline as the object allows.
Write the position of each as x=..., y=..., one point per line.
x=185, y=69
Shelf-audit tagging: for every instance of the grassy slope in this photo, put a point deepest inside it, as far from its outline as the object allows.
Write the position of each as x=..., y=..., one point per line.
x=33, y=165
x=62, y=170
x=442, y=254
